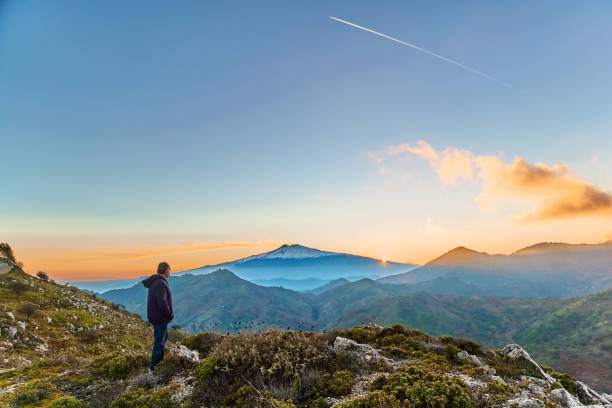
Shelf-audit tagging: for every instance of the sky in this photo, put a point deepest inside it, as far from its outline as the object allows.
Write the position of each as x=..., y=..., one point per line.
x=200, y=132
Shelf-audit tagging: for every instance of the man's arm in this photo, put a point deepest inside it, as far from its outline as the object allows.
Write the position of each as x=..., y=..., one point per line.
x=163, y=304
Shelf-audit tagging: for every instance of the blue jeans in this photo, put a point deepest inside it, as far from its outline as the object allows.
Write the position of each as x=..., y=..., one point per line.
x=160, y=335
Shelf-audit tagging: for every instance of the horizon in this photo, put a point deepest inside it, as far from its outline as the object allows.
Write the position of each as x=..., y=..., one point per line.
x=382, y=260
x=202, y=133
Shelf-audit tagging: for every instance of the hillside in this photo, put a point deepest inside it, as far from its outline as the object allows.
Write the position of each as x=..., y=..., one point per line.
x=225, y=303
x=49, y=330
x=541, y=270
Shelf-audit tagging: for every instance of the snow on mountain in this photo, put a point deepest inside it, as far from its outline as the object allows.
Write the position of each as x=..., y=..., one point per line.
x=286, y=251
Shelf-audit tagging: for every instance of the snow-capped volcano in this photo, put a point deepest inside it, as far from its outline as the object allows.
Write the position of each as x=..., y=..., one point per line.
x=286, y=251
x=301, y=262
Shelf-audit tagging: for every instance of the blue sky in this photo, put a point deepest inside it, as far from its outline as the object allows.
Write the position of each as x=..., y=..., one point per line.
x=125, y=123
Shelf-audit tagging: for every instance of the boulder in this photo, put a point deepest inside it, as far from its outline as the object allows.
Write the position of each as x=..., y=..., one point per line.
x=562, y=397
x=472, y=359
x=11, y=315
x=21, y=324
x=185, y=354
x=585, y=392
x=9, y=332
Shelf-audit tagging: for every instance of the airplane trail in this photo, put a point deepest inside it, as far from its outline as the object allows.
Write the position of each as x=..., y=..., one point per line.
x=433, y=54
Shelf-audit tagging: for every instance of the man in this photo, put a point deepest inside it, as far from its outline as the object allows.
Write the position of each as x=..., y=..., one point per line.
x=159, y=310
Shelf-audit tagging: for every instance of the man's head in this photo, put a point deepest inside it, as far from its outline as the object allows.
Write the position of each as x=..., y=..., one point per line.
x=163, y=269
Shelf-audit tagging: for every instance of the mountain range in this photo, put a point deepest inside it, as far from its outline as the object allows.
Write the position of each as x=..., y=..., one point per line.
x=545, y=269
x=291, y=266
x=222, y=302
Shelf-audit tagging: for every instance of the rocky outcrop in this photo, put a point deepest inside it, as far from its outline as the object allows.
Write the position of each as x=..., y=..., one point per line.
x=363, y=353
x=185, y=354
x=518, y=355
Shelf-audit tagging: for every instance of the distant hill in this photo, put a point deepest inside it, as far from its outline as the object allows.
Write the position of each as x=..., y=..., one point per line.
x=329, y=285
x=546, y=269
x=291, y=266
x=221, y=301
x=293, y=284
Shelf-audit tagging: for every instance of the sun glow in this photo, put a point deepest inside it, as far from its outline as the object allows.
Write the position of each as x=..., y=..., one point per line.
x=384, y=260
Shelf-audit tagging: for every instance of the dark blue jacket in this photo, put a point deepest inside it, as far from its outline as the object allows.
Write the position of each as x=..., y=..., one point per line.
x=159, y=300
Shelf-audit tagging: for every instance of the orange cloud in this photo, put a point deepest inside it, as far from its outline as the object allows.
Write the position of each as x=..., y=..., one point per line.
x=554, y=190
x=114, y=254
x=450, y=164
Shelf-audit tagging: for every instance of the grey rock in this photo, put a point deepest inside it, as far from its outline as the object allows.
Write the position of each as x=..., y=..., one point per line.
x=185, y=354
x=562, y=397
x=10, y=332
x=11, y=315
x=364, y=353
x=21, y=324
x=516, y=353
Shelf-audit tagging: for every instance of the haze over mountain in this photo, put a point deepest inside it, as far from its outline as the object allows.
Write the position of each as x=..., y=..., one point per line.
x=545, y=269
x=293, y=266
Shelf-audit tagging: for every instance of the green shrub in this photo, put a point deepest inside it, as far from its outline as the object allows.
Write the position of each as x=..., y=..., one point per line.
x=202, y=342
x=117, y=366
x=206, y=369
x=33, y=392
x=376, y=399
x=418, y=388
x=272, y=354
x=67, y=402
x=341, y=383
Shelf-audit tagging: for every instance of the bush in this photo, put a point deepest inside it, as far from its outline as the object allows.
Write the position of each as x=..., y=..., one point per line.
x=42, y=276
x=67, y=402
x=33, y=392
x=422, y=389
x=7, y=252
x=206, y=369
x=202, y=342
x=27, y=309
x=341, y=383
x=18, y=287
x=376, y=399
x=117, y=366
x=272, y=354
x=142, y=398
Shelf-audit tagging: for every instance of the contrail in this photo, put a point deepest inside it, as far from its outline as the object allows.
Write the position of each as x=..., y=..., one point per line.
x=482, y=74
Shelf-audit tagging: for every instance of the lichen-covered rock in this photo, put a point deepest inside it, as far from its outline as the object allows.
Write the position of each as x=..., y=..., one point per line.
x=185, y=354
x=21, y=325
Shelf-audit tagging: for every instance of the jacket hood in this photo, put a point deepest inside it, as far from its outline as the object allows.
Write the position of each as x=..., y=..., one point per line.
x=149, y=281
